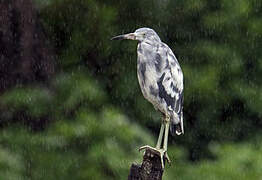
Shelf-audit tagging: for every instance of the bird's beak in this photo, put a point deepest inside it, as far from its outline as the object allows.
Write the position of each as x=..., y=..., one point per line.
x=131, y=36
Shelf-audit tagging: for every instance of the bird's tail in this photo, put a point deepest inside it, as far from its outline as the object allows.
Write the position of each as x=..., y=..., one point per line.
x=176, y=124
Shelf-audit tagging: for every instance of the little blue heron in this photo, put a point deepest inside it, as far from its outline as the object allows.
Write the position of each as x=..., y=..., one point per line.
x=161, y=81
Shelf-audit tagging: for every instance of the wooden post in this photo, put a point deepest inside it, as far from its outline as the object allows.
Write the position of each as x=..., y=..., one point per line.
x=151, y=168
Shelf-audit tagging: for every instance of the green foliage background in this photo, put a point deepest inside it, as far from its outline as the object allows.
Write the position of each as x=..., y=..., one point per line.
x=96, y=115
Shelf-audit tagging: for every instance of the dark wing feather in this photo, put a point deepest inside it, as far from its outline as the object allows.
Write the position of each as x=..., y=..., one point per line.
x=171, y=88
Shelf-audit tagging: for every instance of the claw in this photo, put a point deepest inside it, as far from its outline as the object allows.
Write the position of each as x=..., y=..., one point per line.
x=161, y=152
x=145, y=147
x=167, y=158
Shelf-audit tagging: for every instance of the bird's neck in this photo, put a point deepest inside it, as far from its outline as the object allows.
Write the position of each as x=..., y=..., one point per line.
x=150, y=41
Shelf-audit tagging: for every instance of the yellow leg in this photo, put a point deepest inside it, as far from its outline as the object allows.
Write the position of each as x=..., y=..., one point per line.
x=161, y=151
x=166, y=135
x=160, y=137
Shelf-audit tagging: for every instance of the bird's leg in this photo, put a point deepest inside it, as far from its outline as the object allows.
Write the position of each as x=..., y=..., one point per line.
x=160, y=137
x=167, y=123
x=162, y=152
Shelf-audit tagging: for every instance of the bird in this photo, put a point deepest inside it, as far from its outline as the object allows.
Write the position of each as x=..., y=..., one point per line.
x=161, y=81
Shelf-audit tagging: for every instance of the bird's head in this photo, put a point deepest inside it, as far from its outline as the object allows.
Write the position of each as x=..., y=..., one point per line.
x=141, y=35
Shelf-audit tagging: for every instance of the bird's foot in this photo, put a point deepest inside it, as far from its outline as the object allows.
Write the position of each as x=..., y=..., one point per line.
x=161, y=152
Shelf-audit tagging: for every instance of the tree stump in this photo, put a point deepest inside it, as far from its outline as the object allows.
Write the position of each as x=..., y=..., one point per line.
x=151, y=168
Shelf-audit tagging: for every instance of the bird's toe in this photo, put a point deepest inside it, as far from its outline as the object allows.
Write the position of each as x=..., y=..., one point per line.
x=162, y=153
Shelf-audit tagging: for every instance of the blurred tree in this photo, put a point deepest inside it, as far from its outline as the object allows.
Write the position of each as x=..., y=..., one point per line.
x=25, y=55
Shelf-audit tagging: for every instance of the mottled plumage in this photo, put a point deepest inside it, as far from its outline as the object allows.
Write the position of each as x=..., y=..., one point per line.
x=161, y=81
x=160, y=78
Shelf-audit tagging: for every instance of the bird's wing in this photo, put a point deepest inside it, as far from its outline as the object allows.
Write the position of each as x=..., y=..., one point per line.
x=171, y=83
x=171, y=90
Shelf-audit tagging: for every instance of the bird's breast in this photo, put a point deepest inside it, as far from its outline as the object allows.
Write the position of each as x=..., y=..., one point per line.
x=147, y=78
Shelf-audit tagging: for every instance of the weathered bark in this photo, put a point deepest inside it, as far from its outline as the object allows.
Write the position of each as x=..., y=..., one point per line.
x=150, y=169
